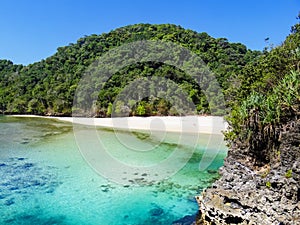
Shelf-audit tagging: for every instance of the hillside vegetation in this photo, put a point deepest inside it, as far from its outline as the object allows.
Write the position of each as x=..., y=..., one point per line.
x=267, y=99
x=260, y=182
x=47, y=87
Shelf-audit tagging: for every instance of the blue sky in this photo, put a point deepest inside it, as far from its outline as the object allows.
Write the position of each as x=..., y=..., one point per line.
x=33, y=30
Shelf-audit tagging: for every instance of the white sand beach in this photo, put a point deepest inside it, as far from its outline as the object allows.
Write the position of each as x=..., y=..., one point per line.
x=186, y=124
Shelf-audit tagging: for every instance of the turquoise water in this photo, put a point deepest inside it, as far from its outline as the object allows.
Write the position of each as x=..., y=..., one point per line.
x=45, y=180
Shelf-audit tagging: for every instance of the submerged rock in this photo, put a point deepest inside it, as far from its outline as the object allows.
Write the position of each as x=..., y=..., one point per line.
x=9, y=202
x=187, y=220
x=22, y=177
x=39, y=218
x=156, y=211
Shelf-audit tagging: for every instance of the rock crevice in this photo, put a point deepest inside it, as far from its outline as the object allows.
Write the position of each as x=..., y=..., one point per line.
x=249, y=194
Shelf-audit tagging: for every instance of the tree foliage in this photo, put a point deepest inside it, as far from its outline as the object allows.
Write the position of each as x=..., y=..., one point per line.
x=47, y=87
x=267, y=97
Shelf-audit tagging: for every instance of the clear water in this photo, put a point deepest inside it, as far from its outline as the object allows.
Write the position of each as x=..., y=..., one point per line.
x=45, y=180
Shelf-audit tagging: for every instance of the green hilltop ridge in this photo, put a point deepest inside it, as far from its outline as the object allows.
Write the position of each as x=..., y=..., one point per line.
x=47, y=87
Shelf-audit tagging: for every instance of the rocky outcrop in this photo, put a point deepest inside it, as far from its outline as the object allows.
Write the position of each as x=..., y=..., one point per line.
x=250, y=194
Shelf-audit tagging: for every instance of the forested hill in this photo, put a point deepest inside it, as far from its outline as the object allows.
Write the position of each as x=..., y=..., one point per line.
x=47, y=87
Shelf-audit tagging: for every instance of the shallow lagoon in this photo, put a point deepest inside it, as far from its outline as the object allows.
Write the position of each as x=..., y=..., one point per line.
x=45, y=180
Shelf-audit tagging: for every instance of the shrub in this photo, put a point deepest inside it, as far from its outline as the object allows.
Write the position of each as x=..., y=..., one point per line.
x=289, y=174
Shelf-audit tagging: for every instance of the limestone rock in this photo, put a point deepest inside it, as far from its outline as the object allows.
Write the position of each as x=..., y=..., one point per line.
x=266, y=195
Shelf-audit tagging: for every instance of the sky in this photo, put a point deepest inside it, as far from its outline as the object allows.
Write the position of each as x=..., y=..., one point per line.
x=33, y=30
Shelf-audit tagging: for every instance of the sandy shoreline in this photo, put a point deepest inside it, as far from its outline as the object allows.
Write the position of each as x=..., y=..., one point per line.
x=186, y=124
